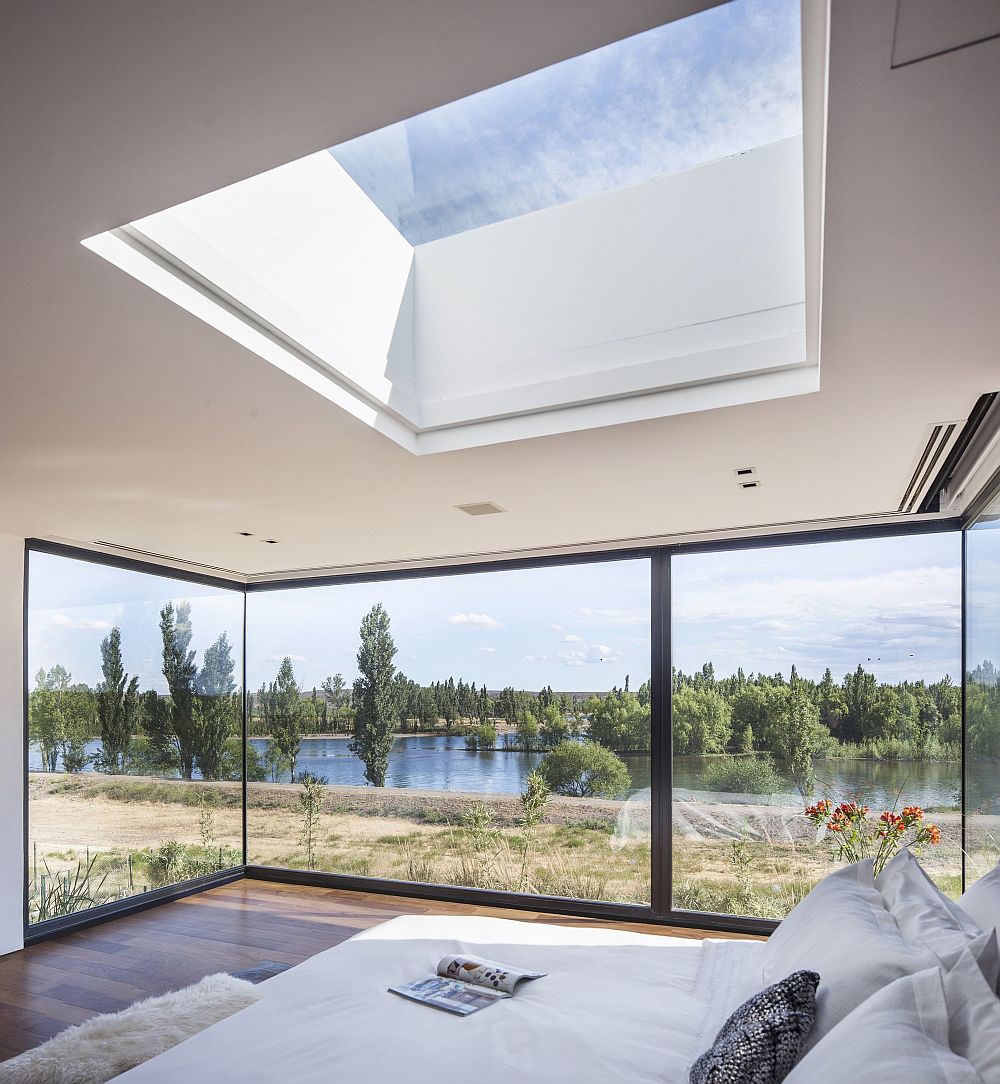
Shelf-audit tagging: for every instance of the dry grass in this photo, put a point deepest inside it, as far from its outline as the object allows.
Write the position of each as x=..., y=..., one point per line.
x=751, y=860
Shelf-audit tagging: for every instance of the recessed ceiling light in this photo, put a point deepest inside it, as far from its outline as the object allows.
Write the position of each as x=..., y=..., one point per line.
x=749, y=485
x=481, y=508
x=245, y=534
x=744, y=472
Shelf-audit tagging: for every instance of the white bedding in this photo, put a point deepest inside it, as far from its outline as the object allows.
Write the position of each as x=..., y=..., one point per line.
x=615, y=1006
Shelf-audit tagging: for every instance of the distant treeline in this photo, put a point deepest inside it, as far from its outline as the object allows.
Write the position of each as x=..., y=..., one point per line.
x=196, y=727
x=328, y=709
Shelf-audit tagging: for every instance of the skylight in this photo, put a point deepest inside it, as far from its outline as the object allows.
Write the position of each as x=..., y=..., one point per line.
x=715, y=84
x=627, y=235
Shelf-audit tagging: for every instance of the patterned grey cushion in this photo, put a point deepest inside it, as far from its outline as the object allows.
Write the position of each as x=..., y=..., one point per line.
x=762, y=1040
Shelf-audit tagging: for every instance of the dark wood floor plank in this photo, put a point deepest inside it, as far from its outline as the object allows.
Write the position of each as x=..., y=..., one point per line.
x=66, y=980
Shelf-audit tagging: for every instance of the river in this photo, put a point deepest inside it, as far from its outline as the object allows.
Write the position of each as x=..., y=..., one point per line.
x=441, y=762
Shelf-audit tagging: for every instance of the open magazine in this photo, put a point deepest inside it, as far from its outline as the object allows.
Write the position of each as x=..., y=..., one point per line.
x=465, y=984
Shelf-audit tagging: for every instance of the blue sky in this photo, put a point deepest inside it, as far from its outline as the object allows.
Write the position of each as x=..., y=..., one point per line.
x=575, y=628
x=74, y=604
x=715, y=84
x=893, y=601
x=891, y=604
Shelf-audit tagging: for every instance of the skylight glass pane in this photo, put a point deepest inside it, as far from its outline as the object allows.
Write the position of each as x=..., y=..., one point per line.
x=698, y=89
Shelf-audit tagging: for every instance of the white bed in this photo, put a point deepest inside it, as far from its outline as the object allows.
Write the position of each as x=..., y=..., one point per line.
x=613, y=1006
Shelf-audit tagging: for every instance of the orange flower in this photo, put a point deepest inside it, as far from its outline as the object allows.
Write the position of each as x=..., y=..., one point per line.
x=933, y=834
x=913, y=813
x=837, y=823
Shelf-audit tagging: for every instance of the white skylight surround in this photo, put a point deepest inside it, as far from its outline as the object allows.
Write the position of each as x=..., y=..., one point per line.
x=718, y=83
x=684, y=289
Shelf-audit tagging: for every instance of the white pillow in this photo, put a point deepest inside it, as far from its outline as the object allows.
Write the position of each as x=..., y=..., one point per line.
x=843, y=930
x=973, y=1016
x=927, y=918
x=981, y=900
x=900, y=1035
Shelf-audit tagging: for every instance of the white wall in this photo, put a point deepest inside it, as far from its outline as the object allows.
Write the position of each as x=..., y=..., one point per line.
x=305, y=248
x=540, y=297
x=11, y=744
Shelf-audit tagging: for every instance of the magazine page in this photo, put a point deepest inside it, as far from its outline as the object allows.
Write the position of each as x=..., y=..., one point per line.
x=485, y=973
x=452, y=996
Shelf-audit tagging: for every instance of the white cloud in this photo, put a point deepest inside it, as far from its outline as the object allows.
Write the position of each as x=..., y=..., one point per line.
x=65, y=622
x=589, y=655
x=693, y=91
x=556, y=628
x=476, y=621
x=487, y=650
x=291, y=658
x=764, y=617
x=538, y=658
x=573, y=639
x=590, y=616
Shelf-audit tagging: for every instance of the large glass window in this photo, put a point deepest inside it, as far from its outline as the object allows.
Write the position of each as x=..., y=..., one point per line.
x=813, y=674
x=135, y=759
x=486, y=729
x=493, y=729
x=982, y=692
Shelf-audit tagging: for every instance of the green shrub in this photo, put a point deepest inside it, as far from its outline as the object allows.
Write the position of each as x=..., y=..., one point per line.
x=483, y=736
x=52, y=894
x=584, y=770
x=894, y=749
x=741, y=775
x=172, y=862
x=256, y=768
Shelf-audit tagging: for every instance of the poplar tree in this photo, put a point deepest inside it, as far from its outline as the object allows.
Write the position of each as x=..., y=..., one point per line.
x=374, y=699
x=285, y=710
x=217, y=708
x=181, y=673
x=117, y=706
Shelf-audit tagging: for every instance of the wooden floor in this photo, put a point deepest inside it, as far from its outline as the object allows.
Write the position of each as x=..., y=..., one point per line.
x=60, y=982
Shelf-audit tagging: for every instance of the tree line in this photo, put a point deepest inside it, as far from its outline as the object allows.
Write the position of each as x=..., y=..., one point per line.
x=196, y=726
x=329, y=708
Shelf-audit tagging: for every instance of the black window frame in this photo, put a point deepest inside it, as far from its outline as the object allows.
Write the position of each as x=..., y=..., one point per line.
x=40, y=931
x=660, y=910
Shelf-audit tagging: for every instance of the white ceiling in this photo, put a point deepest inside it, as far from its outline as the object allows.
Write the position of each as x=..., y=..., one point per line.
x=126, y=419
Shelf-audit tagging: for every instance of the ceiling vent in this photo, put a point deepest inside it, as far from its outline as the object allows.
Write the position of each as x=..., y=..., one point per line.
x=953, y=459
x=975, y=461
x=482, y=508
x=939, y=442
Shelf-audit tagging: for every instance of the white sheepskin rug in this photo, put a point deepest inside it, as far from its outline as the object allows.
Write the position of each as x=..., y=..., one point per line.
x=105, y=1046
